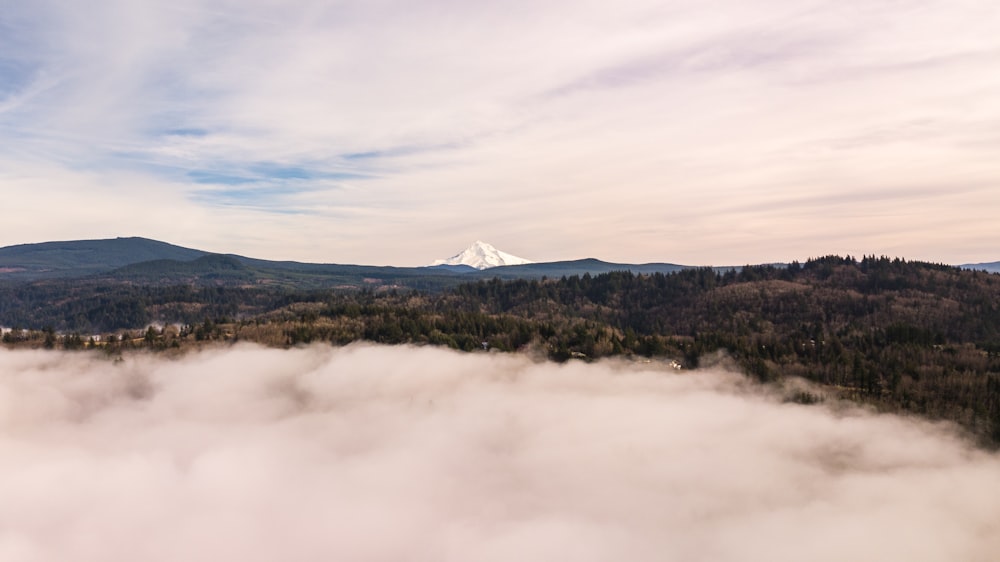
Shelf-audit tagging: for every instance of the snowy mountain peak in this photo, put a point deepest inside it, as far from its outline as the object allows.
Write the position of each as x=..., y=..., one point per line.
x=481, y=255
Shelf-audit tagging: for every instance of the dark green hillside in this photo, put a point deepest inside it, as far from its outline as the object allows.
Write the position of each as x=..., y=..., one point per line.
x=236, y=271
x=80, y=258
x=207, y=269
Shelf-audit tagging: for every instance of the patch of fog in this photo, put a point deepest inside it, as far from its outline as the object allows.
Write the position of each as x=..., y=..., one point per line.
x=396, y=453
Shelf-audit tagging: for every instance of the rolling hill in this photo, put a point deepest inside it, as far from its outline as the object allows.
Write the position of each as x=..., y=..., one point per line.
x=79, y=258
x=151, y=262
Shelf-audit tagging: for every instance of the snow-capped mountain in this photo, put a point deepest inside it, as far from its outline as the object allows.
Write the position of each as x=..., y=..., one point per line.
x=481, y=255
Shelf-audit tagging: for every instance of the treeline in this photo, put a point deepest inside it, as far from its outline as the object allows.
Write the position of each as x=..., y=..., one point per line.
x=93, y=307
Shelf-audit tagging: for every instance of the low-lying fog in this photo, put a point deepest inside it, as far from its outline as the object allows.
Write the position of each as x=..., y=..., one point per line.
x=388, y=454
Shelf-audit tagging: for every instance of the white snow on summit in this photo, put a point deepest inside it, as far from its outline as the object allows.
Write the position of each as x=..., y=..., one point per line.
x=481, y=255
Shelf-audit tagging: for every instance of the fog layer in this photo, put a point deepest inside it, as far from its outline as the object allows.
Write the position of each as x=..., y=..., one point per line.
x=375, y=453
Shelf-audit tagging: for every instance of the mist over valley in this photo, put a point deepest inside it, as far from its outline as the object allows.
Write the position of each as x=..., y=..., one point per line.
x=388, y=453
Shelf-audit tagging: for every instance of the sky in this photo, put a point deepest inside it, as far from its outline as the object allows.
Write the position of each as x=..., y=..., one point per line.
x=427, y=454
x=718, y=132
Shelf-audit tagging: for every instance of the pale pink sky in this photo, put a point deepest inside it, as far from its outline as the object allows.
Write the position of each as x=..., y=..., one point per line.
x=389, y=132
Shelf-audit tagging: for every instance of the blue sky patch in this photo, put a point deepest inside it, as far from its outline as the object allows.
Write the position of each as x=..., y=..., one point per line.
x=14, y=76
x=219, y=178
x=289, y=178
x=267, y=171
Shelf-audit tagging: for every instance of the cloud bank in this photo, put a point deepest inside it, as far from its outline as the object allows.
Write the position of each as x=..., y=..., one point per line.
x=374, y=453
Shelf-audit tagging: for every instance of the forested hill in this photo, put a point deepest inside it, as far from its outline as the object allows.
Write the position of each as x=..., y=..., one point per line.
x=901, y=335
x=827, y=298
x=80, y=258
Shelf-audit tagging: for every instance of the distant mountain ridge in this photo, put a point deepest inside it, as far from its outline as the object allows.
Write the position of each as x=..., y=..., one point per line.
x=590, y=266
x=992, y=267
x=151, y=262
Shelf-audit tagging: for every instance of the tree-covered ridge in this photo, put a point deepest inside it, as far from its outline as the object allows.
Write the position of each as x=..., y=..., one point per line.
x=901, y=335
x=833, y=297
x=904, y=335
x=84, y=257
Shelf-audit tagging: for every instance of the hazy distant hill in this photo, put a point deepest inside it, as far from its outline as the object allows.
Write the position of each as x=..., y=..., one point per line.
x=460, y=268
x=574, y=267
x=993, y=267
